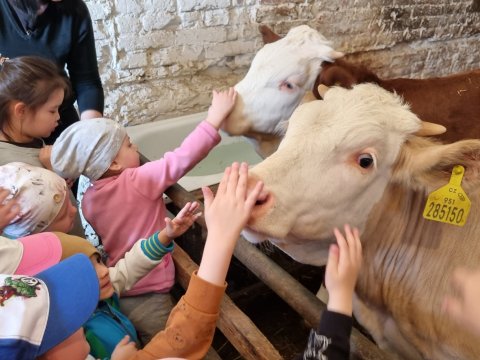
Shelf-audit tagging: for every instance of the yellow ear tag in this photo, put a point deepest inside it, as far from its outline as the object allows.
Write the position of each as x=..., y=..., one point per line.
x=449, y=204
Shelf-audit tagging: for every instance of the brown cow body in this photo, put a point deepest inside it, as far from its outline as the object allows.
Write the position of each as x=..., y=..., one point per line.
x=316, y=181
x=453, y=101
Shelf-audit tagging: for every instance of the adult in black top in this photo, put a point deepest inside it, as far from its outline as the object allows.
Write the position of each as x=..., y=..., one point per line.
x=62, y=32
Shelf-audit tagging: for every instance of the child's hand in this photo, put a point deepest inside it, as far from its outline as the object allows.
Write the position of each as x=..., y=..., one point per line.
x=222, y=104
x=125, y=349
x=464, y=304
x=182, y=222
x=227, y=213
x=45, y=155
x=343, y=265
x=8, y=209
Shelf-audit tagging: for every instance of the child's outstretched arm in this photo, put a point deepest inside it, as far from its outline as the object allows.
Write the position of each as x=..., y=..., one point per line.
x=226, y=216
x=222, y=104
x=147, y=253
x=463, y=305
x=154, y=177
x=8, y=209
x=332, y=337
x=343, y=266
x=191, y=325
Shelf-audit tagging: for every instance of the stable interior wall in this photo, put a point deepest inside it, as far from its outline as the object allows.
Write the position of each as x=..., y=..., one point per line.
x=162, y=58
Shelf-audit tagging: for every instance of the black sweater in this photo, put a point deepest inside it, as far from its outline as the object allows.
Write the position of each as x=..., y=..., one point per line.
x=63, y=34
x=331, y=340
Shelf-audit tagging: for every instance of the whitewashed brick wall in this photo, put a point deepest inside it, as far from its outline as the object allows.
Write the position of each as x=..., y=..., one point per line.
x=162, y=58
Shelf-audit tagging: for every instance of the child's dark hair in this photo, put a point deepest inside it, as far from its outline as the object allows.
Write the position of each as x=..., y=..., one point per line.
x=30, y=80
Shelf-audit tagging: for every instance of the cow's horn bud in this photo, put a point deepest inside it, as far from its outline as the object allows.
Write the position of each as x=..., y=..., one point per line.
x=322, y=89
x=429, y=129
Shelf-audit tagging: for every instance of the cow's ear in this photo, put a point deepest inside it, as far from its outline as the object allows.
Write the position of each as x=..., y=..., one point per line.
x=337, y=76
x=426, y=164
x=268, y=35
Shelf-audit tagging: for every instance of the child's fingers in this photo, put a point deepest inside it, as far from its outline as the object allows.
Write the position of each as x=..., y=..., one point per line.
x=13, y=209
x=188, y=209
x=342, y=245
x=182, y=213
x=222, y=187
x=253, y=195
x=358, y=246
x=233, y=178
x=3, y=195
x=194, y=206
x=332, y=261
x=11, y=205
x=242, y=181
x=207, y=196
x=125, y=340
x=348, y=234
x=351, y=244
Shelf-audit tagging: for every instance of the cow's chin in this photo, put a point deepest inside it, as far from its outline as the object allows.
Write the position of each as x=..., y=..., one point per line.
x=253, y=236
x=305, y=252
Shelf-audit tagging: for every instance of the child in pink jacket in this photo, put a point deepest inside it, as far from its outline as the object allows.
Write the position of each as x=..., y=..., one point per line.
x=125, y=201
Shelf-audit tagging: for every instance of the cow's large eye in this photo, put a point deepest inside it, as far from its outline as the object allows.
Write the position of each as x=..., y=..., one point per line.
x=287, y=86
x=365, y=160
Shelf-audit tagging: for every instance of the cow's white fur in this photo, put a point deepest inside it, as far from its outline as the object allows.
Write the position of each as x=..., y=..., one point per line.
x=331, y=166
x=315, y=184
x=263, y=100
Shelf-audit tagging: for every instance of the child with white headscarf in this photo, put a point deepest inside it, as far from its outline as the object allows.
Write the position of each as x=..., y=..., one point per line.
x=42, y=197
x=125, y=201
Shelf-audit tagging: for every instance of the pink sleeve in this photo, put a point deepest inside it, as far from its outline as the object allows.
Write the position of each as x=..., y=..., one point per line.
x=153, y=178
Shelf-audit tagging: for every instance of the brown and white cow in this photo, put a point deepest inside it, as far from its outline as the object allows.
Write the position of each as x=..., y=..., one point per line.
x=278, y=78
x=453, y=101
x=355, y=158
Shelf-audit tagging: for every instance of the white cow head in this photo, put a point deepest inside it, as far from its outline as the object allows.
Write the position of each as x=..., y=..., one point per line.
x=277, y=80
x=333, y=165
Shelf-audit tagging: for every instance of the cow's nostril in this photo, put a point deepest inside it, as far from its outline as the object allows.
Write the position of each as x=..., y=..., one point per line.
x=259, y=203
x=263, y=198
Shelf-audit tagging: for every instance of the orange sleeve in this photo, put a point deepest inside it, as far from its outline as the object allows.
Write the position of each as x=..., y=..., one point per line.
x=191, y=324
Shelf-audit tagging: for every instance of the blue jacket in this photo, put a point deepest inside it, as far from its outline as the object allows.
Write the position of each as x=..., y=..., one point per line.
x=106, y=327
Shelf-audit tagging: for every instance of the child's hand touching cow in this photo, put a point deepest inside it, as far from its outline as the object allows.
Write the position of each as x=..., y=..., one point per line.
x=463, y=304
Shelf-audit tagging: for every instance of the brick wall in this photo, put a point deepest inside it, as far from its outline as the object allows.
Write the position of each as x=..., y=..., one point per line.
x=161, y=58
